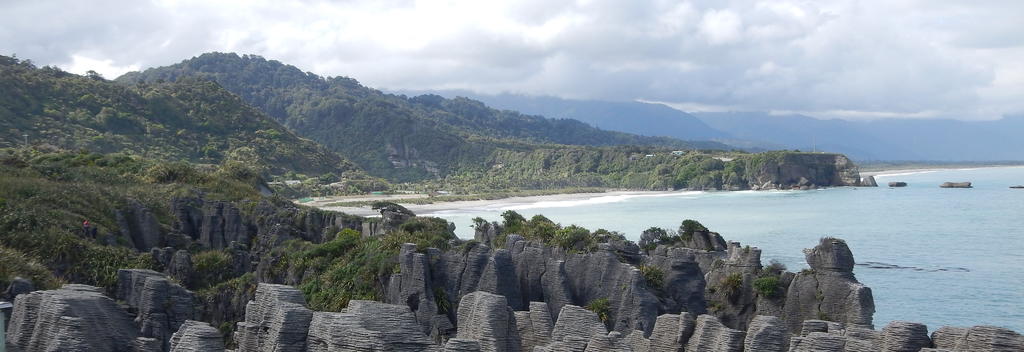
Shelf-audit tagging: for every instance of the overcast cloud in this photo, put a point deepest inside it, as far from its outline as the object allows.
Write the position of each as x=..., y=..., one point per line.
x=837, y=58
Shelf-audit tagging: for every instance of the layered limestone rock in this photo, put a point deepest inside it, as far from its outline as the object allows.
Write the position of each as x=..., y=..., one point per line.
x=671, y=332
x=575, y=325
x=730, y=286
x=275, y=320
x=534, y=326
x=139, y=226
x=526, y=272
x=829, y=289
x=978, y=338
x=710, y=335
x=161, y=306
x=195, y=336
x=786, y=171
x=868, y=181
x=487, y=318
x=368, y=326
x=72, y=318
x=901, y=336
x=768, y=334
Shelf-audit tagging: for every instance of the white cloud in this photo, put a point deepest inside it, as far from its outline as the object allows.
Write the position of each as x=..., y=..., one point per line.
x=847, y=58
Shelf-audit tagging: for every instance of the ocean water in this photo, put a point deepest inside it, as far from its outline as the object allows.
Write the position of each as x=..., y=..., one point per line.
x=930, y=255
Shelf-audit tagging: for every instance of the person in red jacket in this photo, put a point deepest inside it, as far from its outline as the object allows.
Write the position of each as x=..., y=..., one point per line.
x=87, y=229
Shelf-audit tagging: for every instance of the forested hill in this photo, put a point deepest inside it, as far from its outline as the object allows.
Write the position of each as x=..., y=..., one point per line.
x=398, y=137
x=192, y=120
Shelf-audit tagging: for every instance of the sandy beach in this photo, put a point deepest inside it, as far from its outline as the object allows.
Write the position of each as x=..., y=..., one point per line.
x=512, y=202
x=911, y=171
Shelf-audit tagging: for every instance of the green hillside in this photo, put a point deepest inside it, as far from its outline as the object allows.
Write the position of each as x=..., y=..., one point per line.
x=392, y=136
x=191, y=120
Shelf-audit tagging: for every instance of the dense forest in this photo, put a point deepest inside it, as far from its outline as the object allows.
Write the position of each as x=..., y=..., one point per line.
x=392, y=136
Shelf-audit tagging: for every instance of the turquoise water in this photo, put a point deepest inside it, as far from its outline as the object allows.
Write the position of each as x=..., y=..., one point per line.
x=953, y=256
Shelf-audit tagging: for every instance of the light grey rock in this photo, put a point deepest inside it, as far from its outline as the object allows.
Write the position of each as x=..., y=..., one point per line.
x=671, y=332
x=948, y=337
x=613, y=341
x=710, y=335
x=195, y=336
x=486, y=317
x=813, y=325
x=413, y=286
x=768, y=334
x=148, y=344
x=72, y=318
x=462, y=345
x=978, y=338
x=901, y=336
x=576, y=322
x=817, y=342
x=829, y=289
x=636, y=340
x=276, y=320
x=861, y=338
x=831, y=254
x=367, y=326
x=161, y=306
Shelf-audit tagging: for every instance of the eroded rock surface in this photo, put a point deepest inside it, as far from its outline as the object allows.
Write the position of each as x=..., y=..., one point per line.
x=72, y=318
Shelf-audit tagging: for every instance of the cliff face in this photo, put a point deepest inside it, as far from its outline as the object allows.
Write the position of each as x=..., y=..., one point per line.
x=800, y=170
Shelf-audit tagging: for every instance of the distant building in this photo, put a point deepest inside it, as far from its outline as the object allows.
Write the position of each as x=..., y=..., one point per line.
x=292, y=182
x=649, y=156
x=678, y=152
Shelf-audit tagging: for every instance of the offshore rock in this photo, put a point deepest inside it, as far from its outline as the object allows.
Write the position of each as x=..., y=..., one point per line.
x=868, y=181
x=367, y=326
x=955, y=185
x=486, y=317
x=901, y=336
x=896, y=184
x=72, y=318
x=829, y=289
x=275, y=320
x=161, y=306
x=195, y=336
x=768, y=334
x=710, y=335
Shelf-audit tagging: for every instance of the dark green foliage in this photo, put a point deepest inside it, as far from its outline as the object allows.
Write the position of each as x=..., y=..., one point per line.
x=441, y=300
x=350, y=267
x=17, y=264
x=429, y=136
x=767, y=286
x=688, y=227
x=575, y=239
x=654, y=276
x=210, y=268
x=47, y=195
x=602, y=307
x=192, y=120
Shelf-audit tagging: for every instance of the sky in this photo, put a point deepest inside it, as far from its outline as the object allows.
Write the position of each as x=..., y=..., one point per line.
x=830, y=58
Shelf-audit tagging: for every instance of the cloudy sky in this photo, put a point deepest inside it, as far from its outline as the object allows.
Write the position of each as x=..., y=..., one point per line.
x=834, y=58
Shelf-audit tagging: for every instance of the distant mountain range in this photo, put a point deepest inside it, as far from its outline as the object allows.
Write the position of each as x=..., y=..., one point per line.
x=874, y=140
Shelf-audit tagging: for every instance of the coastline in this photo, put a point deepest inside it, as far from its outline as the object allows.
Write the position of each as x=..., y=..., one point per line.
x=518, y=202
x=902, y=171
x=509, y=202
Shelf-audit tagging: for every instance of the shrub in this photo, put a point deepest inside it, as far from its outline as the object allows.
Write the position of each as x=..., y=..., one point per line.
x=731, y=284
x=767, y=286
x=211, y=268
x=688, y=227
x=602, y=307
x=653, y=275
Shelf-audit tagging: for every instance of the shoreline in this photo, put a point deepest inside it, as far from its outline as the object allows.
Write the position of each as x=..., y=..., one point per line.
x=517, y=202
x=902, y=171
x=508, y=202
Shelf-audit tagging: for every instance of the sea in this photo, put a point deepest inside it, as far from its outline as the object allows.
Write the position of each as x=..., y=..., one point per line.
x=937, y=256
